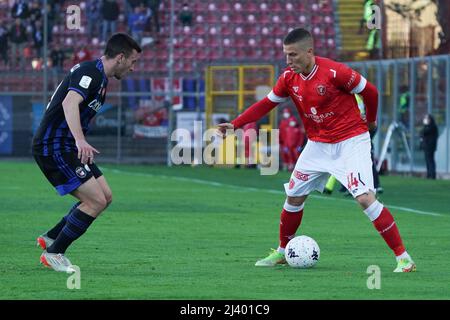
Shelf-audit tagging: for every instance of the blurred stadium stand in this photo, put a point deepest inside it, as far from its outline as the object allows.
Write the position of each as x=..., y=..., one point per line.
x=133, y=124
x=225, y=31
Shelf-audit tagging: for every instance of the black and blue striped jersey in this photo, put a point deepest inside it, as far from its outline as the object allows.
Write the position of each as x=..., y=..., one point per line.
x=53, y=135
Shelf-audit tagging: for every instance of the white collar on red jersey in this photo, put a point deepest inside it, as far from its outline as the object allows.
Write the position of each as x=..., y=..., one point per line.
x=311, y=74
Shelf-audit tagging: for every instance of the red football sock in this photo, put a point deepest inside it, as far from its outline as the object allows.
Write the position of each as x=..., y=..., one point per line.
x=387, y=228
x=289, y=223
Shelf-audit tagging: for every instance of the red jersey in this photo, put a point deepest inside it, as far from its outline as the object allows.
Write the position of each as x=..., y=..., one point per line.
x=324, y=99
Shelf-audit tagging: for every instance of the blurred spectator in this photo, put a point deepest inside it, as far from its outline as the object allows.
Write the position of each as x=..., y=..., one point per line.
x=20, y=9
x=93, y=18
x=4, y=44
x=38, y=37
x=428, y=143
x=185, y=15
x=81, y=55
x=373, y=44
x=35, y=12
x=295, y=139
x=57, y=57
x=282, y=126
x=137, y=22
x=56, y=6
x=154, y=7
x=27, y=52
x=367, y=14
x=404, y=105
x=52, y=16
x=18, y=38
x=376, y=178
x=130, y=5
x=250, y=141
x=110, y=14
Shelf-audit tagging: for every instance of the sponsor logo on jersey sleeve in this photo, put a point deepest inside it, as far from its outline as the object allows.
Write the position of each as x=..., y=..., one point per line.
x=351, y=80
x=85, y=82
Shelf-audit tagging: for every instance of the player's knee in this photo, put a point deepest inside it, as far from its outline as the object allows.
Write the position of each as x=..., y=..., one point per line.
x=108, y=197
x=366, y=199
x=295, y=201
x=98, y=203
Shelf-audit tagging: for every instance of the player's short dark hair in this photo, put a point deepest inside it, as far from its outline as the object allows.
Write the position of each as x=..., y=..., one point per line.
x=121, y=43
x=297, y=35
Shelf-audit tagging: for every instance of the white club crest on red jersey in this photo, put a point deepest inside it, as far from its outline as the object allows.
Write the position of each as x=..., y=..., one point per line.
x=313, y=110
x=295, y=89
x=321, y=89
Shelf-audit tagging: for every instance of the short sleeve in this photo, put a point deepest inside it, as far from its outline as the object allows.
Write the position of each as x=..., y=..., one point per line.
x=279, y=92
x=84, y=80
x=348, y=79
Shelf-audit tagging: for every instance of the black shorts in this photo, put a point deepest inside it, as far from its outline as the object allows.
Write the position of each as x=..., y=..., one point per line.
x=66, y=172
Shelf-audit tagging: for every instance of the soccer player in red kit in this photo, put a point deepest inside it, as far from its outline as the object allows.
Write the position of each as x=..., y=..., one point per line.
x=338, y=140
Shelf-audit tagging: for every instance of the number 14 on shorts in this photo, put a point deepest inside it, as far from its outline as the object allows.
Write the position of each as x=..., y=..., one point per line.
x=353, y=181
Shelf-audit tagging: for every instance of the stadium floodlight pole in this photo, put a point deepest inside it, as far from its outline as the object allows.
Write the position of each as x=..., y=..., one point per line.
x=45, y=54
x=171, y=114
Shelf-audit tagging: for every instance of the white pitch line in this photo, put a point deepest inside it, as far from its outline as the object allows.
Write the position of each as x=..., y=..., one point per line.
x=219, y=184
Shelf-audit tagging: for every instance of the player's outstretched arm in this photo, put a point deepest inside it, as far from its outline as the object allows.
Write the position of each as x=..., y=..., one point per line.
x=72, y=114
x=255, y=112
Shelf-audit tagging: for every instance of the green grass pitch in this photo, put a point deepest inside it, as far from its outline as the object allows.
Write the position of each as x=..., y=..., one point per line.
x=195, y=233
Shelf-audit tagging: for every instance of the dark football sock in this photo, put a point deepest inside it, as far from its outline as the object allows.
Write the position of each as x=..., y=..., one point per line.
x=53, y=233
x=77, y=224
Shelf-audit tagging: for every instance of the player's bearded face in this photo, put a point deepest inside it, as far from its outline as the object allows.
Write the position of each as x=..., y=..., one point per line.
x=299, y=57
x=125, y=65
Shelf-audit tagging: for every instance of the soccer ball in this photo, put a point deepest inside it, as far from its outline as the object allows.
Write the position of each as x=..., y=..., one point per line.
x=302, y=252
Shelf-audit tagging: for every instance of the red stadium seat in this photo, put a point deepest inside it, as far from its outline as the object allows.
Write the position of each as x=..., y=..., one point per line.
x=201, y=54
x=289, y=19
x=316, y=19
x=252, y=30
x=237, y=17
x=224, y=6
x=213, y=55
x=250, y=6
x=240, y=42
x=213, y=42
x=275, y=7
x=226, y=30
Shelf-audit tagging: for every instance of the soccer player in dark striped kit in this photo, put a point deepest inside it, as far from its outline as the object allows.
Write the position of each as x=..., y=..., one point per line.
x=62, y=152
